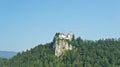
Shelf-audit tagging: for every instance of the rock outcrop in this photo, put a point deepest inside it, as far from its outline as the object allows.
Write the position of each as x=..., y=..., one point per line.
x=62, y=42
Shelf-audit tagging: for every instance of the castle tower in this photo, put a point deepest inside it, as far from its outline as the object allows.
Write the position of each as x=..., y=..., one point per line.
x=69, y=36
x=61, y=43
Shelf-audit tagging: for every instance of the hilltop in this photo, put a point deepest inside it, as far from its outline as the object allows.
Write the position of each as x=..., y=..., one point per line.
x=84, y=53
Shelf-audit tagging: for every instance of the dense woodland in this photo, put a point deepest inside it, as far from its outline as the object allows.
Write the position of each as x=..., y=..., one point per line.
x=85, y=53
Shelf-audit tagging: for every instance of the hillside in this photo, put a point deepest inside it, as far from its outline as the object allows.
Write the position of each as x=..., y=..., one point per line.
x=86, y=53
x=7, y=54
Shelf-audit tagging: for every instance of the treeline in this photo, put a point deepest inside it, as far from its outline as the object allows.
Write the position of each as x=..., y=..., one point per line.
x=3, y=61
x=85, y=53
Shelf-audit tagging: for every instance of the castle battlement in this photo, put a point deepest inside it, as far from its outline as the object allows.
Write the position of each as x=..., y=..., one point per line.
x=63, y=36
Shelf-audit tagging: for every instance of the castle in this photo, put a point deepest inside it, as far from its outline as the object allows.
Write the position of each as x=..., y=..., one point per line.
x=61, y=43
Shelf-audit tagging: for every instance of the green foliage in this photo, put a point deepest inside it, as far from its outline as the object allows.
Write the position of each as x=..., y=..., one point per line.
x=3, y=62
x=86, y=53
x=57, y=34
x=73, y=37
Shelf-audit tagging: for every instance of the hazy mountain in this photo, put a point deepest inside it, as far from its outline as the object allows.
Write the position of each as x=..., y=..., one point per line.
x=7, y=54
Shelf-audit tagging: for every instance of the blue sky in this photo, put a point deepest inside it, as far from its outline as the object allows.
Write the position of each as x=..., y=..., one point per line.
x=26, y=23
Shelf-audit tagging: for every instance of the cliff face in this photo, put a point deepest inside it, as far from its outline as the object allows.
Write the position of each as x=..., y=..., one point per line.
x=61, y=43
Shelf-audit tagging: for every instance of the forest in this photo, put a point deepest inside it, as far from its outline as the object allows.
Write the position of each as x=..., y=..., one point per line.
x=85, y=53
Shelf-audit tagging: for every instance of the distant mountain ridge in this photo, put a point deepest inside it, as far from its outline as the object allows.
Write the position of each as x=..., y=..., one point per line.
x=7, y=54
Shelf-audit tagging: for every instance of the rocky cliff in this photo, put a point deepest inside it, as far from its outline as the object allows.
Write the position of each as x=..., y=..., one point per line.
x=62, y=42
